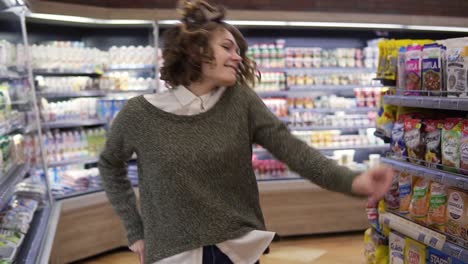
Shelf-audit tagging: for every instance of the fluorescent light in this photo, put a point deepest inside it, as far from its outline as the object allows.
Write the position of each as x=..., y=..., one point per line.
x=168, y=22
x=437, y=28
x=87, y=20
x=256, y=23
x=344, y=25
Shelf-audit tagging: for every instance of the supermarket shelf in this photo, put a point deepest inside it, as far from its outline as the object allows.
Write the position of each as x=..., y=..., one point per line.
x=7, y=129
x=380, y=134
x=329, y=70
x=76, y=194
x=361, y=147
x=424, y=235
x=280, y=179
x=78, y=123
x=319, y=128
x=92, y=93
x=65, y=74
x=73, y=161
x=273, y=94
x=136, y=68
x=333, y=110
x=323, y=88
x=9, y=181
x=88, y=93
x=446, y=103
x=31, y=249
x=145, y=91
x=448, y=178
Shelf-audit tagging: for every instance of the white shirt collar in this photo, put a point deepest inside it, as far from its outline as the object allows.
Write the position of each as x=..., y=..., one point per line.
x=186, y=97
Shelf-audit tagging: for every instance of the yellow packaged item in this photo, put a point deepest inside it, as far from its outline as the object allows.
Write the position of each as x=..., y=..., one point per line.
x=415, y=252
x=375, y=247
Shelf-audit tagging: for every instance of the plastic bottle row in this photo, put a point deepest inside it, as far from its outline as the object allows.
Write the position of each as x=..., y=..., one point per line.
x=338, y=120
x=60, y=146
x=329, y=102
x=270, y=55
x=72, y=110
x=271, y=81
x=309, y=79
x=335, y=139
x=75, y=56
x=11, y=55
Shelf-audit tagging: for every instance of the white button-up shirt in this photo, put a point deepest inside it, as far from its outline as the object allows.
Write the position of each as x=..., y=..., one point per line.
x=243, y=250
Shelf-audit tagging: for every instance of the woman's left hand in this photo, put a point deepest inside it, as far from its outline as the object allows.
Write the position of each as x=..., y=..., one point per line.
x=374, y=183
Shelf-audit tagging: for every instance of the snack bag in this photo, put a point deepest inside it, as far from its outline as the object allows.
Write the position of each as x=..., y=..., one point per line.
x=401, y=71
x=375, y=247
x=464, y=148
x=436, y=216
x=451, y=140
x=413, y=69
x=432, y=139
x=392, y=198
x=405, y=189
x=397, y=248
x=420, y=201
x=457, y=215
x=415, y=252
x=432, y=69
x=414, y=140
x=456, y=72
x=398, y=145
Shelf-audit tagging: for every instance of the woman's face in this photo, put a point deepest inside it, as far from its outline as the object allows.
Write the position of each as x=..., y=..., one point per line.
x=222, y=71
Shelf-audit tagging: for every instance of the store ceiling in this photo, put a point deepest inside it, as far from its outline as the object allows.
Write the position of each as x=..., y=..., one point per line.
x=454, y=8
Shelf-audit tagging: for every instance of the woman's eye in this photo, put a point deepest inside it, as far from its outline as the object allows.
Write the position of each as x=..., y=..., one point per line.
x=225, y=47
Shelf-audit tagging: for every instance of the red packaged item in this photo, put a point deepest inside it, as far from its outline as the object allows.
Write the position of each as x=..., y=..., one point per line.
x=464, y=148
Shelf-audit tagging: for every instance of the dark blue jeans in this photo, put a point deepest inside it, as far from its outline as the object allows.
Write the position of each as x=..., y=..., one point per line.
x=212, y=255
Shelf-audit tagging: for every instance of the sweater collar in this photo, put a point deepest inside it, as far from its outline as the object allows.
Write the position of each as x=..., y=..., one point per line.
x=186, y=97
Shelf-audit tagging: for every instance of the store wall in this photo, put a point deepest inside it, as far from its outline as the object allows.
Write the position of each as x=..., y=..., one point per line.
x=456, y=8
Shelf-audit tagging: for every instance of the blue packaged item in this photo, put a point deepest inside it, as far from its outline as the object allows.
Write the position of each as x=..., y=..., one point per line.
x=435, y=256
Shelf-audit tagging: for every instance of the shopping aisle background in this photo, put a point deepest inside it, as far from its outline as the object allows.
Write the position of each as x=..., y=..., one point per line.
x=320, y=249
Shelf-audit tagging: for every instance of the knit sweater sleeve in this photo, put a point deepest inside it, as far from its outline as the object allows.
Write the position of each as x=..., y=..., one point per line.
x=271, y=133
x=113, y=170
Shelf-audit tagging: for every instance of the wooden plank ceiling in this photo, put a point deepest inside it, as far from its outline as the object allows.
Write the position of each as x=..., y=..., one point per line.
x=453, y=8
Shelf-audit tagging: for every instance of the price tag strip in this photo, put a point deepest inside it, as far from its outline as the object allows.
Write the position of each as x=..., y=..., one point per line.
x=414, y=231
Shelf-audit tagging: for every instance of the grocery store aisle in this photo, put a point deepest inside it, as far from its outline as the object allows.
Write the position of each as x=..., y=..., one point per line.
x=324, y=249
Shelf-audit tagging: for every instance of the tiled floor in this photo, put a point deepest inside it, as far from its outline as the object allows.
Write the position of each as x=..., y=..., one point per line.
x=322, y=249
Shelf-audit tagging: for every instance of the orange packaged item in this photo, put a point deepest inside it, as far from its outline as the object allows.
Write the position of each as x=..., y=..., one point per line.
x=419, y=205
x=436, y=216
x=405, y=189
x=415, y=252
x=464, y=149
x=457, y=213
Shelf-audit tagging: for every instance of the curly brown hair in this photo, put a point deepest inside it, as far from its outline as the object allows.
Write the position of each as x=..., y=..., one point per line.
x=187, y=45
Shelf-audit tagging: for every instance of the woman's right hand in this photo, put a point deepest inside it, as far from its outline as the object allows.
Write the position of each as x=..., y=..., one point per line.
x=139, y=248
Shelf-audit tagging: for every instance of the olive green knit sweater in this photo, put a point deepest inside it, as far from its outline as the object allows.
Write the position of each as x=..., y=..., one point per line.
x=196, y=181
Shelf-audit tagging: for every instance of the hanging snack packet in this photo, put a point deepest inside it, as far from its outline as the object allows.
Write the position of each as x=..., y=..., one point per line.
x=401, y=71
x=451, y=140
x=392, y=198
x=464, y=148
x=414, y=140
x=456, y=72
x=413, y=69
x=432, y=139
x=420, y=201
x=404, y=189
x=398, y=145
x=432, y=69
x=436, y=216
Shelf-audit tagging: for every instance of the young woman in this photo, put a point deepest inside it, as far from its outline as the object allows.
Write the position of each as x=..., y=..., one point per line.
x=199, y=196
